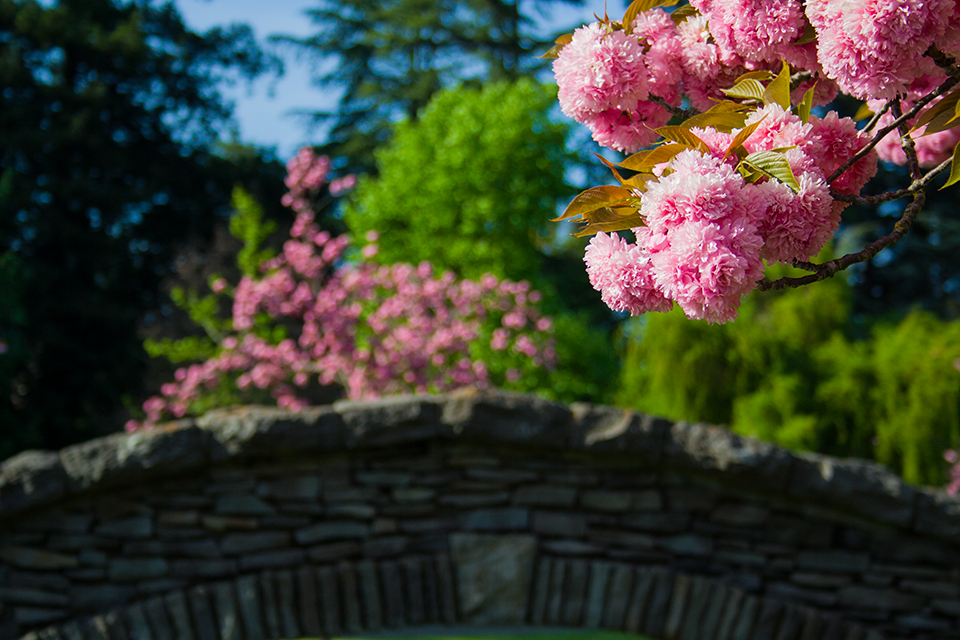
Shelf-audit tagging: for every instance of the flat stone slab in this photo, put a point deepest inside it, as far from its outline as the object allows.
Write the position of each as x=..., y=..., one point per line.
x=494, y=574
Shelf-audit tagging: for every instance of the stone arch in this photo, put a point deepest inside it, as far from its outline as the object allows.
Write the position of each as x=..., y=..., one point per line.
x=476, y=509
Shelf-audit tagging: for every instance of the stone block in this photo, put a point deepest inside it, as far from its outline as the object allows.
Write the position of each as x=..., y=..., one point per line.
x=295, y=488
x=613, y=430
x=347, y=575
x=545, y=495
x=559, y=523
x=504, y=476
x=332, y=530
x=740, y=515
x=393, y=596
x=30, y=558
x=330, y=599
x=33, y=597
x=385, y=546
x=833, y=561
x=819, y=580
x=272, y=560
x=613, y=501
x=855, y=487
x=246, y=432
x=790, y=592
x=687, y=545
x=308, y=602
x=389, y=421
x=494, y=574
x=413, y=494
x=286, y=597
x=472, y=500
x=658, y=522
x=201, y=612
x=369, y=585
x=503, y=519
x=176, y=604
x=596, y=594
x=157, y=618
x=571, y=548
x=271, y=611
x=133, y=569
x=333, y=551
x=240, y=543
x=505, y=417
x=699, y=600
x=241, y=505
x=135, y=527
x=860, y=597
x=768, y=619
x=347, y=493
x=619, y=538
x=203, y=568
x=31, y=479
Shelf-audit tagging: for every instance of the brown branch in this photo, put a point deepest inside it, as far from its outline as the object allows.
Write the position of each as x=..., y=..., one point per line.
x=916, y=185
x=676, y=111
x=906, y=142
x=829, y=269
x=947, y=85
x=799, y=78
x=876, y=117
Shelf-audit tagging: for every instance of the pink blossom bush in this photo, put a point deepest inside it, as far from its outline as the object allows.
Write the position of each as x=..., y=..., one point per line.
x=314, y=316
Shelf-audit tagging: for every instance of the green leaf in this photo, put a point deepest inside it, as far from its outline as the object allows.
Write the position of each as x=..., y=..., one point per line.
x=778, y=91
x=939, y=114
x=723, y=116
x=741, y=137
x=749, y=88
x=558, y=45
x=593, y=199
x=639, y=6
x=682, y=135
x=809, y=35
x=954, y=168
x=680, y=14
x=645, y=161
x=761, y=74
x=863, y=112
x=774, y=165
x=803, y=109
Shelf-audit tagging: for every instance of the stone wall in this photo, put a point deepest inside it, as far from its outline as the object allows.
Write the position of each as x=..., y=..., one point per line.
x=476, y=509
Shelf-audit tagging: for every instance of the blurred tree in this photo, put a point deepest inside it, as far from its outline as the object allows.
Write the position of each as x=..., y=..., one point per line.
x=470, y=187
x=109, y=113
x=790, y=371
x=390, y=57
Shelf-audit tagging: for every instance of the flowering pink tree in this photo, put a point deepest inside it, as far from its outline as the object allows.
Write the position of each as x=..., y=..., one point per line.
x=311, y=314
x=748, y=174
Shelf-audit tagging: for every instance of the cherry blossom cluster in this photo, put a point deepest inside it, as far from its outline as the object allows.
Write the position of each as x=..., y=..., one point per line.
x=307, y=174
x=749, y=174
x=373, y=329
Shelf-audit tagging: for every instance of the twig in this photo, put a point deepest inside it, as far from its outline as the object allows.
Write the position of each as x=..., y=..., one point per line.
x=876, y=117
x=799, y=78
x=829, y=269
x=677, y=111
x=906, y=141
x=948, y=84
x=887, y=196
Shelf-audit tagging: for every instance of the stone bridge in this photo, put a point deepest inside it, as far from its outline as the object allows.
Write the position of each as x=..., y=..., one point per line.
x=477, y=510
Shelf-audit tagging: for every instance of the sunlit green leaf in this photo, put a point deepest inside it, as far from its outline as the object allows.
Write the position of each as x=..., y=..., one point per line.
x=954, y=168
x=593, y=199
x=761, y=74
x=809, y=35
x=773, y=164
x=803, y=109
x=723, y=116
x=863, y=112
x=749, y=88
x=645, y=161
x=778, y=91
x=680, y=14
x=682, y=135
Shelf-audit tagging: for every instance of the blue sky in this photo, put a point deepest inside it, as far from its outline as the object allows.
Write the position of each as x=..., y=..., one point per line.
x=264, y=111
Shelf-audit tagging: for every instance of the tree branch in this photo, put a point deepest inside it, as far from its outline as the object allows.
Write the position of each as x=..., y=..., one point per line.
x=916, y=185
x=676, y=111
x=947, y=85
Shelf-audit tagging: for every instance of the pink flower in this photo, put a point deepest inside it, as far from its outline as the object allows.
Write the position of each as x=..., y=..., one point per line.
x=622, y=273
x=831, y=142
x=795, y=226
x=874, y=48
x=600, y=70
x=753, y=30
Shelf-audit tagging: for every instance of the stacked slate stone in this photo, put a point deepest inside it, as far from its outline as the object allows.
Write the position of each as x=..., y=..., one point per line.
x=473, y=509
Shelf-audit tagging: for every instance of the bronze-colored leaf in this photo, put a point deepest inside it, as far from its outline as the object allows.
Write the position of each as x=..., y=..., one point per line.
x=593, y=199
x=682, y=135
x=645, y=161
x=609, y=220
x=724, y=116
x=558, y=45
x=761, y=74
x=741, y=137
x=947, y=104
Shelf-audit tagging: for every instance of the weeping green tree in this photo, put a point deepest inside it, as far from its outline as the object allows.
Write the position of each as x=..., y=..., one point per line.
x=471, y=186
x=792, y=370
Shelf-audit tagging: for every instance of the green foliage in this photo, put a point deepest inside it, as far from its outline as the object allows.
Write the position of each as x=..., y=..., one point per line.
x=248, y=226
x=789, y=371
x=392, y=56
x=471, y=185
